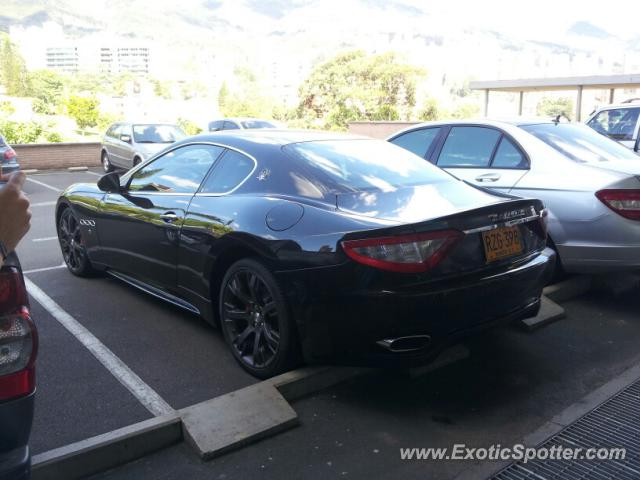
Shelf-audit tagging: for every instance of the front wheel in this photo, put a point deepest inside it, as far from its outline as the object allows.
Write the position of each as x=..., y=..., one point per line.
x=255, y=320
x=72, y=245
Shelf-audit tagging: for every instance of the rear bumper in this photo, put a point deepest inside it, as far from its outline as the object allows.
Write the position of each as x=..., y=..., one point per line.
x=16, y=464
x=347, y=328
x=15, y=419
x=10, y=167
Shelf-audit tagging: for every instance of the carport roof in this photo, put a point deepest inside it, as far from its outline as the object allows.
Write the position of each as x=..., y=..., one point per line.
x=559, y=83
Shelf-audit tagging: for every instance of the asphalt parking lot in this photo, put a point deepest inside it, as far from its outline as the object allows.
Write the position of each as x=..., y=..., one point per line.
x=511, y=383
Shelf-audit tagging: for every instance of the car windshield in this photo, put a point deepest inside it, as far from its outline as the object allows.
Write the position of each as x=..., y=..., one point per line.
x=580, y=143
x=357, y=165
x=157, y=133
x=257, y=124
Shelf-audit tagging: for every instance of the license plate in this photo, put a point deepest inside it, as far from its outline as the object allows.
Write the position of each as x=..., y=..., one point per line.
x=501, y=243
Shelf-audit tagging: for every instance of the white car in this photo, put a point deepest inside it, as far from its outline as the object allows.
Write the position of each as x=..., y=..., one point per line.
x=589, y=183
x=619, y=122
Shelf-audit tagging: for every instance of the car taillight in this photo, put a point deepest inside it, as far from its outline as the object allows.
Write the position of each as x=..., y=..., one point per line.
x=9, y=154
x=624, y=202
x=405, y=253
x=18, y=338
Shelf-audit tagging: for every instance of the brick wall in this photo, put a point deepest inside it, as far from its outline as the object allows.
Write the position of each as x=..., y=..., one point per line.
x=58, y=155
x=380, y=130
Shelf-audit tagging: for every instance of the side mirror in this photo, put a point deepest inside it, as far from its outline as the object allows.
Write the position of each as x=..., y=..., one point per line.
x=125, y=138
x=110, y=183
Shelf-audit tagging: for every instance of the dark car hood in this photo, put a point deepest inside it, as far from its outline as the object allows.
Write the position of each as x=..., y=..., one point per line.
x=419, y=203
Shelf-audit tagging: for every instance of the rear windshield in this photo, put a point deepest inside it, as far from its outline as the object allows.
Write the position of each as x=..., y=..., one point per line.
x=257, y=124
x=358, y=165
x=580, y=143
x=157, y=133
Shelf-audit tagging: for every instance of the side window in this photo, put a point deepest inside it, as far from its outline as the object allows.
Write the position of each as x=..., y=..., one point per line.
x=215, y=126
x=179, y=171
x=230, y=171
x=468, y=147
x=115, y=132
x=509, y=156
x=417, y=141
x=617, y=123
x=230, y=126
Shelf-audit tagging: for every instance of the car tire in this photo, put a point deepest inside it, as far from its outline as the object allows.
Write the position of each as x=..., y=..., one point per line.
x=106, y=164
x=255, y=320
x=74, y=252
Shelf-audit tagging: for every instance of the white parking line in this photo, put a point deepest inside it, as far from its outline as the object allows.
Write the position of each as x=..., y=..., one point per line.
x=44, y=204
x=93, y=173
x=45, y=269
x=45, y=239
x=143, y=392
x=43, y=184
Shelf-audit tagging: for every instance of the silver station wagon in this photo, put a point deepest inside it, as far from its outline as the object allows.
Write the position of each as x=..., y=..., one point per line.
x=125, y=145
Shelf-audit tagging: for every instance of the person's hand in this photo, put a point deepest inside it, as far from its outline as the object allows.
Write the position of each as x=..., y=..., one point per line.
x=15, y=216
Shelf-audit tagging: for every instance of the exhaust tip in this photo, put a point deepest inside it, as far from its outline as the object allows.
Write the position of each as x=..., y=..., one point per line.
x=405, y=344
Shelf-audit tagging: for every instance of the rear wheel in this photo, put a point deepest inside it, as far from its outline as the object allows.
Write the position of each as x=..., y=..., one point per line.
x=72, y=245
x=255, y=320
x=106, y=164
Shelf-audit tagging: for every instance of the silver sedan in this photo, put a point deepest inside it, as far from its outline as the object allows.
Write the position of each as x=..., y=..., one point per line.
x=589, y=183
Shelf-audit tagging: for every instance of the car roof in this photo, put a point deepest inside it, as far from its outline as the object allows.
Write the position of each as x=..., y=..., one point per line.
x=498, y=122
x=241, y=119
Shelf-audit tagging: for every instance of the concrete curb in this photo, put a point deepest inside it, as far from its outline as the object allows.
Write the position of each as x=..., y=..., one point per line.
x=549, y=312
x=231, y=421
x=557, y=423
x=108, y=450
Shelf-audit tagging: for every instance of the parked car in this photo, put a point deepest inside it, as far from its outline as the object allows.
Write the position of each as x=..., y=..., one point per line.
x=8, y=157
x=619, y=122
x=125, y=145
x=589, y=183
x=342, y=248
x=241, y=124
x=18, y=350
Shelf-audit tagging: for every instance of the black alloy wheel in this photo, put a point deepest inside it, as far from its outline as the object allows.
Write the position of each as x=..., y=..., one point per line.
x=255, y=320
x=106, y=164
x=72, y=246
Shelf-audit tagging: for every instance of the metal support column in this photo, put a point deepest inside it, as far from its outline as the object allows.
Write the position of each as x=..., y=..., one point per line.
x=612, y=93
x=579, y=104
x=520, y=102
x=486, y=103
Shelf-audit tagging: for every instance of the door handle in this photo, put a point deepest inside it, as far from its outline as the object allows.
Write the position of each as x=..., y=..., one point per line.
x=169, y=217
x=488, y=177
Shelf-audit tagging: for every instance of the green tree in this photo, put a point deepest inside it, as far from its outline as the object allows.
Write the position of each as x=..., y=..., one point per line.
x=246, y=98
x=466, y=110
x=13, y=73
x=46, y=85
x=6, y=108
x=84, y=110
x=554, y=106
x=356, y=86
x=429, y=110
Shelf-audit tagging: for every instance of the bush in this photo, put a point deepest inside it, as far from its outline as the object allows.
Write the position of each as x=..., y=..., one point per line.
x=17, y=132
x=53, y=137
x=189, y=127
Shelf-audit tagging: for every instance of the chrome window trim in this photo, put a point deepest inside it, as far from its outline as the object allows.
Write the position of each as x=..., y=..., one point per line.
x=127, y=176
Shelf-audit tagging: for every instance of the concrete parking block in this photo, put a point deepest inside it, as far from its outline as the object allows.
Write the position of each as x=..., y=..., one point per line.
x=305, y=381
x=108, y=450
x=233, y=420
x=77, y=169
x=568, y=289
x=549, y=312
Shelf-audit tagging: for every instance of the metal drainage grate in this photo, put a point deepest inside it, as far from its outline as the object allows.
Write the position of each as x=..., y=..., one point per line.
x=614, y=424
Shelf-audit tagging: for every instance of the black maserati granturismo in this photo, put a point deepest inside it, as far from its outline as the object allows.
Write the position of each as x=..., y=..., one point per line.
x=310, y=246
